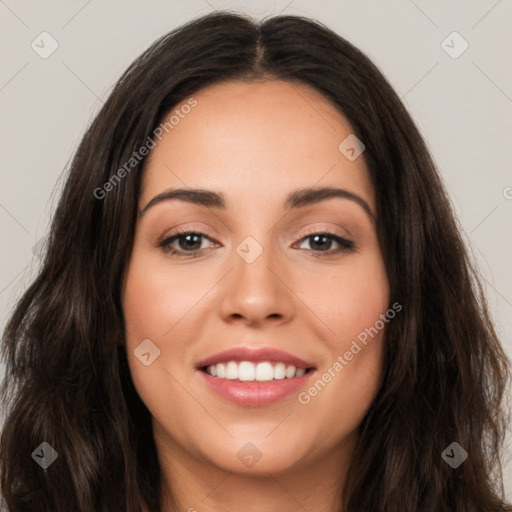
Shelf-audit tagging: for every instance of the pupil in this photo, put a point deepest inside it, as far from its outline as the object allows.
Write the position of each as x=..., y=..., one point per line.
x=189, y=243
x=316, y=237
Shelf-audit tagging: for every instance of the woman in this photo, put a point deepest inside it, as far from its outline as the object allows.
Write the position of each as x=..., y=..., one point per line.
x=324, y=345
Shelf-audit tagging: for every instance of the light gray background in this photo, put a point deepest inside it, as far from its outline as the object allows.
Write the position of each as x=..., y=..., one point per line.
x=462, y=106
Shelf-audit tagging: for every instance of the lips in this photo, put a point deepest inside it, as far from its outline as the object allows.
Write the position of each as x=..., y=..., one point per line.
x=254, y=377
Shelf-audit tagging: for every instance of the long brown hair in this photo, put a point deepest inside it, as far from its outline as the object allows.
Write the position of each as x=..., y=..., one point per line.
x=67, y=381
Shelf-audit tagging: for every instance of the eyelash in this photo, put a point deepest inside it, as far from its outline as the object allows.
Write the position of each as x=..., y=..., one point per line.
x=345, y=244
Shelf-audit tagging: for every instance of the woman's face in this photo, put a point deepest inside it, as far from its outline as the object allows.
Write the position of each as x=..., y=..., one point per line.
x=256, y=343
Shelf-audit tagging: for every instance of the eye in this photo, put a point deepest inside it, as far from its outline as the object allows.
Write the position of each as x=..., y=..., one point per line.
x=189, y=243
x=322, y=243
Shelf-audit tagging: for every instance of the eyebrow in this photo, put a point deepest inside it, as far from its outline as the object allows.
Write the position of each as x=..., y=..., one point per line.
x=297, y=199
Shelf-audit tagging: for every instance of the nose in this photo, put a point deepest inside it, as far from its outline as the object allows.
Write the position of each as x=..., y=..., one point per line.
x=258, y=292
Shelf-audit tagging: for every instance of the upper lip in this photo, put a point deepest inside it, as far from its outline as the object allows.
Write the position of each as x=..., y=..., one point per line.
x=255, y=355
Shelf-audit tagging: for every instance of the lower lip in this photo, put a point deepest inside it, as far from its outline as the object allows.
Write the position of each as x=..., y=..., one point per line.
x=255, y=394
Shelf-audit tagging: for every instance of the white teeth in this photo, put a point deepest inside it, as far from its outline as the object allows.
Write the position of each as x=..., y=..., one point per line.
x=250, y=372
x=279, y=371
x=264, y=371
x=290, y=372
x=221, y=371
x=232, y=370
x=246, y=371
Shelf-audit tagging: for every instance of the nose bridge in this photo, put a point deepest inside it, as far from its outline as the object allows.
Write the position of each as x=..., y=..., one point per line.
x=255, y=290
x=253, y=262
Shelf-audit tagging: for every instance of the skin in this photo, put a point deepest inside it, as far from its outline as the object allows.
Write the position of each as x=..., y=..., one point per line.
x=255, y=142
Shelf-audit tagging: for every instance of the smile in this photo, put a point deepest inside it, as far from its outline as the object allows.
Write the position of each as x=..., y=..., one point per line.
x=254, y=377
x=246, y=371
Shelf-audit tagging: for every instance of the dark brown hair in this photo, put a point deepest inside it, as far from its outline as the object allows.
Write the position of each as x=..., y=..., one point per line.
x=67, y=381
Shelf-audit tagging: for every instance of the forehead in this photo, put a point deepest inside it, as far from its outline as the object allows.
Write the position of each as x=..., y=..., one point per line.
x=256, y=139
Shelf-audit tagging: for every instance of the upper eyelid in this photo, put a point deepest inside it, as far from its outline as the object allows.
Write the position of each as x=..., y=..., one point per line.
x=312, y=232
x=332, y=230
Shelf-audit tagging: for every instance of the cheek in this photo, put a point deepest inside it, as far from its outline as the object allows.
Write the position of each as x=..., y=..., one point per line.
x=353, y=303
x=154, y=302
x=151, y=306
x=351, y=298
x=152, y=310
